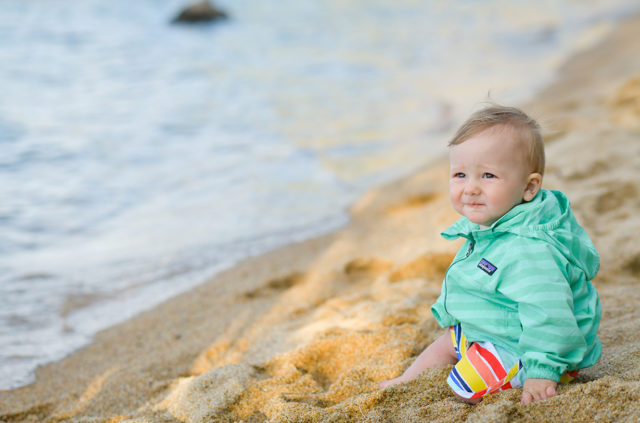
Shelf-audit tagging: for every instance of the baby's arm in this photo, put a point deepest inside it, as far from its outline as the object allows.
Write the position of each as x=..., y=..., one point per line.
x=439, y=353
x=538, y=390
x=551, y=341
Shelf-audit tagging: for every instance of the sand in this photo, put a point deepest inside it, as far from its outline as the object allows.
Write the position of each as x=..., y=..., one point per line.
x=304, y=333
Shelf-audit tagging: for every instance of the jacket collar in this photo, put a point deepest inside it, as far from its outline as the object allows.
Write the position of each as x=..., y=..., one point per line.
x=463, y=227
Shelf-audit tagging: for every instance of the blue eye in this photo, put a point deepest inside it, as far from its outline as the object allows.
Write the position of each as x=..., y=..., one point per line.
x=489, y=175
x=459, y=175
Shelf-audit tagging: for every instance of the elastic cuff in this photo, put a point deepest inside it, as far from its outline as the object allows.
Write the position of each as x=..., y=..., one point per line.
x=543, y=373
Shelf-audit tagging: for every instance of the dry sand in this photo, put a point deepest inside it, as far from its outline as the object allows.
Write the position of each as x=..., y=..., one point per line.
x=304, y=333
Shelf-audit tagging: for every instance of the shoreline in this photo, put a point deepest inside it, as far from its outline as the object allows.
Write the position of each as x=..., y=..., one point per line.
x=305, y=331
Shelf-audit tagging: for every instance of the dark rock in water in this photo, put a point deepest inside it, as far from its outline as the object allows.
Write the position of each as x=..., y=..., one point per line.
x=200, y=12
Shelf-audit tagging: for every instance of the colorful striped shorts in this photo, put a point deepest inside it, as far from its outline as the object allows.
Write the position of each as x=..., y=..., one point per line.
x=482, y=370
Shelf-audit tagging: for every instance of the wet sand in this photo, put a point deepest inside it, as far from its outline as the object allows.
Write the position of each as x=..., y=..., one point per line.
x=305, y=333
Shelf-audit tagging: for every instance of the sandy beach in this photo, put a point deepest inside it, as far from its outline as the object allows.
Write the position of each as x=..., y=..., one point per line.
x=304, y=333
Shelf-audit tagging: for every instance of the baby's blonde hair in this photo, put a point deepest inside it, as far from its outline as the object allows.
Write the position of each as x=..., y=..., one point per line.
x=524, y=127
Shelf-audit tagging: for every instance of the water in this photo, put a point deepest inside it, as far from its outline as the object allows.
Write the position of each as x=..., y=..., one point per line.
x=139, y=158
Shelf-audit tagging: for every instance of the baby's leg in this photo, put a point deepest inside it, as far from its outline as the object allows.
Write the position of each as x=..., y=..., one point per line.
x=439, y=353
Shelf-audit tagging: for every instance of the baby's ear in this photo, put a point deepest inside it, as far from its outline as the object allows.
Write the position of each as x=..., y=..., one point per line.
x=534, y=182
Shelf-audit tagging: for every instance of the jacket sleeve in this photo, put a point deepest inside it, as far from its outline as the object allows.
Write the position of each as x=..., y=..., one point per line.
x=551, y=341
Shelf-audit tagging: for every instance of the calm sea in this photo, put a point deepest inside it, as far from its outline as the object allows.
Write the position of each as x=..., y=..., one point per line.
x=139, y=158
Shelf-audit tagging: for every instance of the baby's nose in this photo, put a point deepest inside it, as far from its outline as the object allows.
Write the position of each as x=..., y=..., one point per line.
x=471, y=187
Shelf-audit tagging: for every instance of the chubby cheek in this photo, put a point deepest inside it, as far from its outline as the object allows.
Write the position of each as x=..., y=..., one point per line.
x=501, y=202
x=455, y=193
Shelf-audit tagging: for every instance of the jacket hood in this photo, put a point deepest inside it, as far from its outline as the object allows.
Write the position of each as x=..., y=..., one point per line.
x=548, y=217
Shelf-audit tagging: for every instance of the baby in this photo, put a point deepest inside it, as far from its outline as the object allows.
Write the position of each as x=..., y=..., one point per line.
x=517, y=301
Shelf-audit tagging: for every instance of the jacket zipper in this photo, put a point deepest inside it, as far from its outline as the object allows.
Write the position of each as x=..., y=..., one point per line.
x=444, y=284
x=469, y=250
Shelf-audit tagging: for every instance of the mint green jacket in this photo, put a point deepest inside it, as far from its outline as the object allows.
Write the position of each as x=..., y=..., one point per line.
x=524, y=285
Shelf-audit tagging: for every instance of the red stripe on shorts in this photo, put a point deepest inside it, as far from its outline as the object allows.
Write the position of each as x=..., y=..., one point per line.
x=474, y=357
x=500, y=372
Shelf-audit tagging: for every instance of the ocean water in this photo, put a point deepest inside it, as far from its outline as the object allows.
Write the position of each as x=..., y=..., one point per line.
x=138, y=158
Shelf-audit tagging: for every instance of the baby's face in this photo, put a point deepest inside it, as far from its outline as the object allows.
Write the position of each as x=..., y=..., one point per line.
x=489, y=175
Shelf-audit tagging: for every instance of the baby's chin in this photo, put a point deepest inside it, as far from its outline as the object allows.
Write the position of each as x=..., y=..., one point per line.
x=481, y=220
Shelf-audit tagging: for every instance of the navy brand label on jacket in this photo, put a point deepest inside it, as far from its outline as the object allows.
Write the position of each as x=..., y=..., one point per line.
x=487, y=267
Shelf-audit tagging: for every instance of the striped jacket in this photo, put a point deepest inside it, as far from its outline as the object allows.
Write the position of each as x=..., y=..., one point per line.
x=524, y=284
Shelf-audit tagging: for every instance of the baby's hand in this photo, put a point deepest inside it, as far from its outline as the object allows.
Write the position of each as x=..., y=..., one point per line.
x=538, y=390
